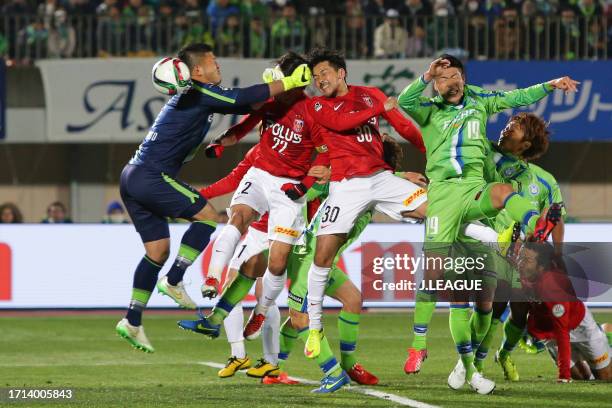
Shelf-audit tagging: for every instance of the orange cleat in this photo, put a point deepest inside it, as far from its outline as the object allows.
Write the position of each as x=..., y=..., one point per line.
x=362, y=376
x=282, y=378
x=414, y=360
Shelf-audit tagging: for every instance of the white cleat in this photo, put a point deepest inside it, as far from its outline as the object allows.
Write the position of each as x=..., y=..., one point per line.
x=135, y=335
x=176, y=293
x=480, y=384
x=456, y=378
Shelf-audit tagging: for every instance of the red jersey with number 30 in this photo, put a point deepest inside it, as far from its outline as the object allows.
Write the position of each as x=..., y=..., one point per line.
x=289, y=136
x=352, y=132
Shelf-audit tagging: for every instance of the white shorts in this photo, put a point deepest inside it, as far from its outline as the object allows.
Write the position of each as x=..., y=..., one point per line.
x=262, y=192
x=385, y=192
x=254, y=243
x=589, y=343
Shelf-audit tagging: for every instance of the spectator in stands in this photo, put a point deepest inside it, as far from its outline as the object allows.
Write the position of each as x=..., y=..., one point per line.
x=375, y=8
x=318, y=27
x=191, y=9
x=79, y=7
x=137, y=17
x=528, y=10
x=589, y=8
x=46, y=11
x=356, y=43
x=164, y=33
x=494, y=9
x=441, y=33
x=192, y=29
x=596, y=39
x=115, y=214
x=507, y=44
x=218, y=11
x=32, y=40
x=472, y=8
x=104, y=8
x=10, y=214
x=258, y=39
x=416, y=45
x=570, y=35
x=111, y=33
x=375, y=11
x=62, y=37
x=547, y=7
x=539, y=48
x=57, y=214
x=255, y=9
x=476, y=28
x=229, y=39
x=443, y=8
x=15, y=7
x=415, y=9
x=287, y=32
x=390, y=37
x=3, y=46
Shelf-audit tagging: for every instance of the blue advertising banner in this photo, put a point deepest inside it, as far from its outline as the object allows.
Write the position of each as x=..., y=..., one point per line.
x=583, y=116
x=2, y=99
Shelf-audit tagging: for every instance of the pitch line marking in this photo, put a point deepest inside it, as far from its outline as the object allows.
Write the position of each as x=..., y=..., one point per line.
x=354, y=388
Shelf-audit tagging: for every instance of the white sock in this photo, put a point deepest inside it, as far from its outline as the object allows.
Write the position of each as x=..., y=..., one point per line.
x=272, y=287
x=317, y=280
x=271, y=333
x=233, y=330
x=482, y=233
x=223, y=249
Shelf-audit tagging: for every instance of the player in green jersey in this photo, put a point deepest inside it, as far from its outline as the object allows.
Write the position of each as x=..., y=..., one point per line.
x=453, y=126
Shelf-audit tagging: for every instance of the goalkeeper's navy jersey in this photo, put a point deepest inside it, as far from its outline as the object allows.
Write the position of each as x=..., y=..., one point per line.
x=181, y=126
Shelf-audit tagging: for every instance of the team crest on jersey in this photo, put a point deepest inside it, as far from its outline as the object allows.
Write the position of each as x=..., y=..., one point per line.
x=317, y=106
x=558, y=310
x=298, y=124
x=534, y=189
x=508, y=172
x=368, y=100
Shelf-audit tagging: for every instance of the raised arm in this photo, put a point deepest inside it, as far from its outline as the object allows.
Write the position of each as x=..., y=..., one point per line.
x=325, y=114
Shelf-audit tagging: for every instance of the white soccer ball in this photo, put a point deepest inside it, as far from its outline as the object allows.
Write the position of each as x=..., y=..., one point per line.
x=171, y=76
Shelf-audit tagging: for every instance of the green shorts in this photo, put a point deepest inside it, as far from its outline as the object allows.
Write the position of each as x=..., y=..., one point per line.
x=452, y=203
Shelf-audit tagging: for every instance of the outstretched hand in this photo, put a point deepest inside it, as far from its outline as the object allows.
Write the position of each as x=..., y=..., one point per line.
x=565, y=83
x=435, y=68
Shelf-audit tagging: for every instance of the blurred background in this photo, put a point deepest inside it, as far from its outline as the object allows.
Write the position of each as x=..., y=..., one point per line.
x=76, y=99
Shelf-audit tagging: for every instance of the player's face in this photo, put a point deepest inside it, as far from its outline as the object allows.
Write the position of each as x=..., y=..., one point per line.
x=528, y=264
x=327, y=78
x=511, y=139
x=450, y=84
x=207, y=70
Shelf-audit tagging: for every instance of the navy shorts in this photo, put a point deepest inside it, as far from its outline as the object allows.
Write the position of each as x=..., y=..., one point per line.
x=151, y=196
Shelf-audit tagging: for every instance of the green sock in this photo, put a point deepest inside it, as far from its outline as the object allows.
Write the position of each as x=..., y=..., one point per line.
x=233, y=294
x=522, y=210
x=479, y=326
x=348, y=329
x=512, y=335
x=326, y=360
x=485, y=344
x=609, y=336
x=459, y=322
x=288, y=335
x=423, y=311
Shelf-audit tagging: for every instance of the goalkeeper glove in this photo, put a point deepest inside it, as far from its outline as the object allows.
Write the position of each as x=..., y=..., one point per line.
x=299, y=77
x=214, y=150
x=294, y=191
x=272, y=74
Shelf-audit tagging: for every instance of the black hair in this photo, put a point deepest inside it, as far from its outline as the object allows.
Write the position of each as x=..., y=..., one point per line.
x=290, y=61
x=454, y=62
x=392, y=152
x=323, y=54
x=189, y=53
x=545, y=253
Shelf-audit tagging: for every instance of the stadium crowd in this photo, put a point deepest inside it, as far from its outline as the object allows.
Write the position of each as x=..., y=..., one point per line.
x=503, y=29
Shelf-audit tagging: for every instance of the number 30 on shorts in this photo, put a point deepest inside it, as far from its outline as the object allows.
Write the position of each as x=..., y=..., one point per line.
x=330, y=214
x=432, y=225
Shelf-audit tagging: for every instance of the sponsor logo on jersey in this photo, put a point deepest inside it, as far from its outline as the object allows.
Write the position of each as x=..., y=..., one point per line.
x=368, y=100
x=298, y=124
x=286, y=231
x=413, y=197
x=321, y=149
x=558, y=310
x=534, y=189
x=338, y=106
x=601, y=358
x=456, y=121
x=317, y=106
x=282, y=132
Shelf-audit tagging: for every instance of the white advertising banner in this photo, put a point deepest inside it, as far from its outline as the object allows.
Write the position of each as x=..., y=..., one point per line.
x=91, y=266
x=112, y=100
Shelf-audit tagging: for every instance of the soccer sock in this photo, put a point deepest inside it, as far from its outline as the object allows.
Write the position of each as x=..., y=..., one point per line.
x=270, y=334
x=272, y=286
x=459, y=322
x=145, y=279
x=512, y=335
x=522, y=210
x=317, y=280
x=193, y=243
x=609, y=336
x=326, y=360
x=288, y=335
x=348, y=330
x=223, y=249
x=480, y=321
x=485, y=344
x=233, y=294
x=233, y=330
x=423, y=311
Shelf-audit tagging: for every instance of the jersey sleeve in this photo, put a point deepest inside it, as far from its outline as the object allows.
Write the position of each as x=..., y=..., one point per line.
x=246, y=124
x=230, y=182
x=497, y=101
x=551, y=192
x=325, y=114
x=231, y=100
x=414, y=103
x=561, y=328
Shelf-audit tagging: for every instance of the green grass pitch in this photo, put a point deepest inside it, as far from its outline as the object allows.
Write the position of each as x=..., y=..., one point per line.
x=83, y=352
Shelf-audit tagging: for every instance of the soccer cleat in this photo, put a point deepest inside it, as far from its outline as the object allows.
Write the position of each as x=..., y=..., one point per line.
x=415, y=360
x=282, y=378
x=202, y=326
x=507, y=365
x=252, y=330
x=480, y=384
x=135, y=335
x=210, y=288
x=263, y=368
x=456, y=379
x=546, y=223
x=362, y=376
x=312, y=348
x=233, y=365
x=330, y=383
x=176, y=293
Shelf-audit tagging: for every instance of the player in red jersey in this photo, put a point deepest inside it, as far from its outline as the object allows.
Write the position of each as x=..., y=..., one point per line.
x=360, y=177
x=575, y=341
